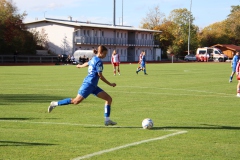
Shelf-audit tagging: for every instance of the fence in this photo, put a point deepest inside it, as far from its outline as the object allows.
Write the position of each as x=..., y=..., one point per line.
x=27, y=59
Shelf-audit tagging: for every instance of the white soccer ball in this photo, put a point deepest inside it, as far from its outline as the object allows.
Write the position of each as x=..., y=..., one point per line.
x=147, y=123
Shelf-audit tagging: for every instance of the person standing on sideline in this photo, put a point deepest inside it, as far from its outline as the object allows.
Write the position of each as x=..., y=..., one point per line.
x=89, y=86
x=238, y=78
x=115, y=62
x=143, y=64
x=234, y=65
x=139, y=62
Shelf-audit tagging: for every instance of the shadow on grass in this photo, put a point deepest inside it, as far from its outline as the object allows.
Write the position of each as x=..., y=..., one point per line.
x=14, y=143
x=21, y=119
x=7, y=99
x=112, y=127
x=16, y=119
x=203, y=127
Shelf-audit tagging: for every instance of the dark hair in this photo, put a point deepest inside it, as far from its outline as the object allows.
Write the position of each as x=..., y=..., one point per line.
x=102, y=49
x=95, y=51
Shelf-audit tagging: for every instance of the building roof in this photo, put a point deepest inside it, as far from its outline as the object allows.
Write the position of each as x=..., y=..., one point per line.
x=93, y=25
x=228, y=46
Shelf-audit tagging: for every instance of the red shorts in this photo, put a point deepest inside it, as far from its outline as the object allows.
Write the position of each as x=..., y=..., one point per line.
x=238, y=77
x=116, y=64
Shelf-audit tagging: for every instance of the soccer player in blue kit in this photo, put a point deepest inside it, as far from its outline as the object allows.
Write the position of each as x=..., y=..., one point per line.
x=143, y=64
x=89, y=85
x=234, y=65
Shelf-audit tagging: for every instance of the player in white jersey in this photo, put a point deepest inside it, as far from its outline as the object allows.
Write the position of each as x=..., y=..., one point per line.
x=115, y=62
x=140, y=60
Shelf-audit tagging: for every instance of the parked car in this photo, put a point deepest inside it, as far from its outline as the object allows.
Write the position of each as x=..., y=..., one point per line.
x=190, y=57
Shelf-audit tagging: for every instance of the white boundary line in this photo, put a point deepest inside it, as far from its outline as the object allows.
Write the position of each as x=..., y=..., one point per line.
x=107, y=150
x=129, y=145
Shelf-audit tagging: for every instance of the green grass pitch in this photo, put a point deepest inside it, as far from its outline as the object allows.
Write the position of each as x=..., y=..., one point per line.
x=193, y=97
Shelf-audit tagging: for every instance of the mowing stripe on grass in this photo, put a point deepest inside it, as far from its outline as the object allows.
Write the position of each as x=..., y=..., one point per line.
x=174, y=89
x=77, y=124
x=179, y=94
x=129, y=145
x=53, y=123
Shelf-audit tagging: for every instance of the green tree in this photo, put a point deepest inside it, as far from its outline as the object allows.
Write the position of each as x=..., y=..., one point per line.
x=13, y=34
x=233, y=25
x=174, y=29
x=213, y=34
x=180, y=18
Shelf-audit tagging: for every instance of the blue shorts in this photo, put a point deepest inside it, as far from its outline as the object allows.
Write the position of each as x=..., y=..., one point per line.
x=86, y=89
x=143, y=65
x=234, y=68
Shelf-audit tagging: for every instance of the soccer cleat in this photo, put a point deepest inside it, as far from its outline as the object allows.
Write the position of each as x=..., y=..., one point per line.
x=110, y=122
x=230, y=80
x=114, y=74
x=238, y=95
x=119, y=74
x=51, y=107
x=137, y=72
x=145, y=74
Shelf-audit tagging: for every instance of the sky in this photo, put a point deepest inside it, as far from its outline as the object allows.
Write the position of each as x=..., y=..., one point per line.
x=205, y=12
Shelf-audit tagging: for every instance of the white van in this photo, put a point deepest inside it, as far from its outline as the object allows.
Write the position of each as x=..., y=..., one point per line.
x=209, y=53
x=83, y=54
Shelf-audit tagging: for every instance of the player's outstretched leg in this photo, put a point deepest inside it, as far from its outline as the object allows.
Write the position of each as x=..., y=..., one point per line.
x=107, y=108
x=138, y=69
x=66, y=101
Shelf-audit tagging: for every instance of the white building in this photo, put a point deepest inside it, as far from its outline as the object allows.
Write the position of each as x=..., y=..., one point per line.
x=67, y=36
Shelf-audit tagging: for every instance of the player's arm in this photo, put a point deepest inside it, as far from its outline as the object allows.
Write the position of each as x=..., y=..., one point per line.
x=112, y=59
x=237, y=68
x=118, y=59
x=82, y=65
x=105, y=80
x=232, y=62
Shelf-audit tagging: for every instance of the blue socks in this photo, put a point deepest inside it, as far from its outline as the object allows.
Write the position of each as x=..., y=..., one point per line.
x=64, y=102
x=107, y=110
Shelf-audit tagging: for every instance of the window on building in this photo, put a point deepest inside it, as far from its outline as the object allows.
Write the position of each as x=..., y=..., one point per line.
x=95, y=33
x=88, y=33
x=117, y=34
x=125, y=35
x=121, y=51
x=84, y=32
x=136, y=36
x=125, y=53
x=146, y=36
x=142, y=36
x=121, y=35
x=102, y=33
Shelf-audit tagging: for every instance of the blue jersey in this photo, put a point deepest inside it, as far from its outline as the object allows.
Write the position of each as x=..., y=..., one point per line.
x=235, y=60
x=95, y=67
x=143, y=59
